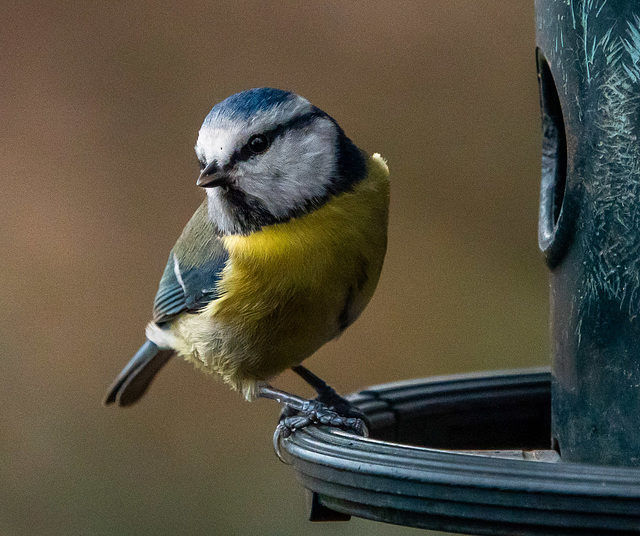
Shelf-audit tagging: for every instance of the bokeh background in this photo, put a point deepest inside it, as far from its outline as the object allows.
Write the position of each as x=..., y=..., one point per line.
x=100, y=103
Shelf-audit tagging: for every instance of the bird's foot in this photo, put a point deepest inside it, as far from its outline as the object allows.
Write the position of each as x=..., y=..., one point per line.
x=300, y=413
x=331, y=401
x=330, y=398
x=316, y=412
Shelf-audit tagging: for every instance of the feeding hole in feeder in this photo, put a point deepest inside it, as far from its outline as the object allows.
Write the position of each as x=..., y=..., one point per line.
x=552, y=230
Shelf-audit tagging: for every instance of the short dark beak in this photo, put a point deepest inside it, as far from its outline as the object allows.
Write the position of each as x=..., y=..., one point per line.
x=208, y=178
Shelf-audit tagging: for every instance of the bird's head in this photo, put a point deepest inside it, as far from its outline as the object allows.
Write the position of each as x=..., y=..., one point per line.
x=268, y=155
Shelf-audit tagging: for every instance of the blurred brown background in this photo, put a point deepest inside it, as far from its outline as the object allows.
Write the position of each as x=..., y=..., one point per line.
x=100, y=104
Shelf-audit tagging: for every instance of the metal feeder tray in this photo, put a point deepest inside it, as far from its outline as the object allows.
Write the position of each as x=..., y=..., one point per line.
x=497, y=475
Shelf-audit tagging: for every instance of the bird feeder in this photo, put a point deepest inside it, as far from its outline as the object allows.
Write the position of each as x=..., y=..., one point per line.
x=536, y=451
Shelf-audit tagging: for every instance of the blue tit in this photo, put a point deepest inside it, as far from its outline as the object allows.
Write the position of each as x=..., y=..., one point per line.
x=281, y=257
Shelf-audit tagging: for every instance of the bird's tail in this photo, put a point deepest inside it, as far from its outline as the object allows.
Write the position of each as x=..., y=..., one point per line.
x=136, y=377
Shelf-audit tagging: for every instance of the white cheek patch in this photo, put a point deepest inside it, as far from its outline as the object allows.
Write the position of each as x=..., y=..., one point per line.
x=298, y=168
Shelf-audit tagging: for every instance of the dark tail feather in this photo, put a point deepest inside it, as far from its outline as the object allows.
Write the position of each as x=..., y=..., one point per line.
x=136, y=377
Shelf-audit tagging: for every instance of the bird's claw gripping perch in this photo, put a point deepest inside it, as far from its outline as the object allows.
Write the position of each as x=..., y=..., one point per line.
x=310, y=412
x=315, y=412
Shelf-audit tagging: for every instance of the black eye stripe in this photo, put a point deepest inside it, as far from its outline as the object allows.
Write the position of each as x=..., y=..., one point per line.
x=244, y=153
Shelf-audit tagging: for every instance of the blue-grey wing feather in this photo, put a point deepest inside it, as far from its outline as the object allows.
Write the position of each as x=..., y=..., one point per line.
x=194, y=269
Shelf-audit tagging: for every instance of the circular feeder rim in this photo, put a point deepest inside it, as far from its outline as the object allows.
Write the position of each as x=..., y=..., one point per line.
x=458, y=491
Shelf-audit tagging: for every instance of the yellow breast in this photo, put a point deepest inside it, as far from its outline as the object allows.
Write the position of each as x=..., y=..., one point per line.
x=291, y=287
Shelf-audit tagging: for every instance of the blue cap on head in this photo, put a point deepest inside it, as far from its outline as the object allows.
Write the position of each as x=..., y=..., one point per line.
x=248, y=103
x=308, y=159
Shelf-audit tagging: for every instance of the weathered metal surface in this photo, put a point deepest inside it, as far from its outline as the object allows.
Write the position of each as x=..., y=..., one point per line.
x=589, y=69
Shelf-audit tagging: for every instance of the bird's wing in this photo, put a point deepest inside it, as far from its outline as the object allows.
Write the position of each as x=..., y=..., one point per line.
x=193, y=270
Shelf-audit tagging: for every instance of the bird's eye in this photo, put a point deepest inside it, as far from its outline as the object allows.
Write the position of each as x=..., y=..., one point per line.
x=258, y=143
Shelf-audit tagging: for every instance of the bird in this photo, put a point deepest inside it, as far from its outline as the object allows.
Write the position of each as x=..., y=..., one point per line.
x=282, y=256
